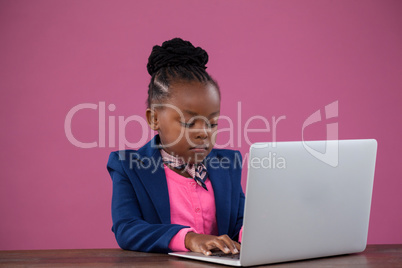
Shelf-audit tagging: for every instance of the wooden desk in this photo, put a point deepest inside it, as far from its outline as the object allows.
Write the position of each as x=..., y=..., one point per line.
x=373, y=256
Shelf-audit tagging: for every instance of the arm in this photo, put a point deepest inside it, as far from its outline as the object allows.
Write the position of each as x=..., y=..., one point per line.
x=131, y=230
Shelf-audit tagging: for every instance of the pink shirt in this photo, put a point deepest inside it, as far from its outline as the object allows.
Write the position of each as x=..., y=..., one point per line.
x=192, y=206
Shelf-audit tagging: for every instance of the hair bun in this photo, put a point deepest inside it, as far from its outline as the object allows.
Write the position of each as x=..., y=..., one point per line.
x=176, y=52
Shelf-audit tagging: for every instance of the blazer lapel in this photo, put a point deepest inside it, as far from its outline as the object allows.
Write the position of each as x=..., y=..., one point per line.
x=153, y=178
x=220, y=180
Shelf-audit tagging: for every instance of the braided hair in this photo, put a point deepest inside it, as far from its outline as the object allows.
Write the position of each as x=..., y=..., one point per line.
x=176, y=60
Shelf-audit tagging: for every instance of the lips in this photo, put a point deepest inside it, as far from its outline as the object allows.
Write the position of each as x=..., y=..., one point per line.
x=199, y=148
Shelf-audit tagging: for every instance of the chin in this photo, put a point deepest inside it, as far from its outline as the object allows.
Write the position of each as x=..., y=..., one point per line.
x=198, y=157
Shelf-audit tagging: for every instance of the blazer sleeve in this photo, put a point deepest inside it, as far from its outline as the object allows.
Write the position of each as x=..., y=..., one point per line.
x=131, y=230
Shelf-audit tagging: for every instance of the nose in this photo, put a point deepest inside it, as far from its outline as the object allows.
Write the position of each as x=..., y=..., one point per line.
x=203, y=131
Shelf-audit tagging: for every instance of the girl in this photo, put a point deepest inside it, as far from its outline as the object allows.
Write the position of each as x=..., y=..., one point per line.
x=177, y=193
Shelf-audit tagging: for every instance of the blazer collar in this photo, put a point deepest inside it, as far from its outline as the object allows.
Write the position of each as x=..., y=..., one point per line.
x=151, y=148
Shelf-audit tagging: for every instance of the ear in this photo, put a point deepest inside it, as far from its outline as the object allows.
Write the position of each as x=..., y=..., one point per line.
x=152, y=119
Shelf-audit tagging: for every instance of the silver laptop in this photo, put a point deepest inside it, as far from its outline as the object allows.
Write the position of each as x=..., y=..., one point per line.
x=304, y=200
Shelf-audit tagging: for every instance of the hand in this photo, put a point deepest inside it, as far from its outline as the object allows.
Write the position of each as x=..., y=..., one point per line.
x=205, y=243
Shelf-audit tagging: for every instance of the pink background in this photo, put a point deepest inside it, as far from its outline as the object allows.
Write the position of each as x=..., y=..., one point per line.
x=278, y=58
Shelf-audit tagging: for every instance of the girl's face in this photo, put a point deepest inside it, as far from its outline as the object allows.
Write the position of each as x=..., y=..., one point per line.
x=187, y=120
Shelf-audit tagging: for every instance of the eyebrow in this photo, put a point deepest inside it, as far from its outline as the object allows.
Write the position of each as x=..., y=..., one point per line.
x=195, y=114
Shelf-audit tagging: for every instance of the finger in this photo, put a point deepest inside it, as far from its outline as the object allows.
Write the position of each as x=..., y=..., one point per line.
x=238, y=246
x=220, y=244
x=229, y=243
x=204, y=250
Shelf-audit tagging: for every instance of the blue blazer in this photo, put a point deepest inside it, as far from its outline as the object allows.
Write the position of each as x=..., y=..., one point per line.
x=140, y=202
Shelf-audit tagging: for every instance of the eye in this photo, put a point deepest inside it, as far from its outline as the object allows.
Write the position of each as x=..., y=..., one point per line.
x=187, y=125
x=214, y=125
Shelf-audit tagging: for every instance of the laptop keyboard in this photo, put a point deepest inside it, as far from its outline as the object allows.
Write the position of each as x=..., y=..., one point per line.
x=225, y=255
